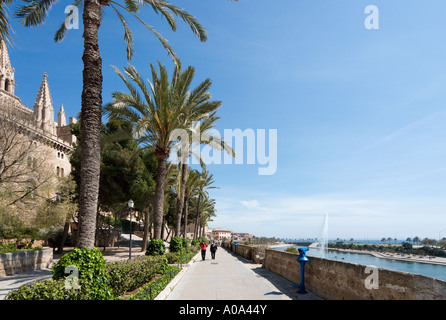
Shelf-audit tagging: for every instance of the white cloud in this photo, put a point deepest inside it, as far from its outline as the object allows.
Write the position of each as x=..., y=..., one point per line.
x=250, y=204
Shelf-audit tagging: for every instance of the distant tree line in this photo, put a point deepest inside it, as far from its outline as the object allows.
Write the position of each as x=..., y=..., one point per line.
x=405, y=247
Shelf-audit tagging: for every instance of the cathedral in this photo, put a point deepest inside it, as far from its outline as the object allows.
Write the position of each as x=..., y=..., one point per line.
x=51, y=137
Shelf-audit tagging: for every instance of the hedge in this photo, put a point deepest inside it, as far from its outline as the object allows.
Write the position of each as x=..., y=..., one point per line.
x=97, y=279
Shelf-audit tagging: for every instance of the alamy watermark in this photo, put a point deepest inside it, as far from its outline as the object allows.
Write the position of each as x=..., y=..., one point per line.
x=372, y=20
x=371, y=281
x=72, y=20
x=72, y=281
x=250, y=147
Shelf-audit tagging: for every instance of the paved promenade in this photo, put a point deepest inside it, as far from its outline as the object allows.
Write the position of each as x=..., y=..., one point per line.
x=228, y=277
x=231, y=277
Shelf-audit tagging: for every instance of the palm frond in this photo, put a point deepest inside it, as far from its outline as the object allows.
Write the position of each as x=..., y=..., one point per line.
x=193, y=23
x=128, y=36
x=163, y=41
x=5, y=26
x=60, y=33
x=34, y=12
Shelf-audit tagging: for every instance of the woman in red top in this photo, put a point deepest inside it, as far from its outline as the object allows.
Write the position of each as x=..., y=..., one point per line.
x=203, y=246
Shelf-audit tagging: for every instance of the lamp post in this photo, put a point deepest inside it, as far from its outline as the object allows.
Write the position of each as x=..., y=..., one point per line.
x=130, y=204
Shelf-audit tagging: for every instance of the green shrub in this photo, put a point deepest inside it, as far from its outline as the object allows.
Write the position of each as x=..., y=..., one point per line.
x=53, y=235
x=11, y=247
x=182, y=257
x=172, y=257
x=52, y=290
x=291, y=250
x=186, y=245
x=176, y=244
x=153, y=288
x=128, y=275
x=155, y=248
x=195, y=243
x=91, y=267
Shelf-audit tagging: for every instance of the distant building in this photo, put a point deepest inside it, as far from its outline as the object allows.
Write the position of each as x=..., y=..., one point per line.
x=240, y=236
x=221, y=234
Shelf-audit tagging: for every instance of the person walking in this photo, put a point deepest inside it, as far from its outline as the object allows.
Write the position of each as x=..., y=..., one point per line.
x=213, y=249
x=203, y=246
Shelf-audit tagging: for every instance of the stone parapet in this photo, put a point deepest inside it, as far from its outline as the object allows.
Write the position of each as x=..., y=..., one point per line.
x=18, y=262
x=339, y=280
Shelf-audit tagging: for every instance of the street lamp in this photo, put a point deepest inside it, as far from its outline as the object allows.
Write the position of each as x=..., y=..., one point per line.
x=130, y=204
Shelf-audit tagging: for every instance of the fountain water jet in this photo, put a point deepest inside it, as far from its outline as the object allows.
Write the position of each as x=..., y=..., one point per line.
x=324, y=237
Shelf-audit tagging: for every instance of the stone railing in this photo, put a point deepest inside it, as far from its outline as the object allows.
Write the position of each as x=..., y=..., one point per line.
x=18, y=262
x=255, y=254
x=337, y=280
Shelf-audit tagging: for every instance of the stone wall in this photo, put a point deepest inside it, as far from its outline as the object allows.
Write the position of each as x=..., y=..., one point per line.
x=339, y=280
x=18, y=262
x=251, y=253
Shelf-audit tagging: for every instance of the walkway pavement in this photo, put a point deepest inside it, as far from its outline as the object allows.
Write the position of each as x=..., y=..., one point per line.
x=9, y=283
x=230, y=277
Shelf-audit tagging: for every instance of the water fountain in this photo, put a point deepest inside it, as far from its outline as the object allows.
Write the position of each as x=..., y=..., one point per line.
x=324, y=237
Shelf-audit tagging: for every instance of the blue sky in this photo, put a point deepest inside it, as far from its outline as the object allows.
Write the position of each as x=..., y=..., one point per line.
x=359, y=113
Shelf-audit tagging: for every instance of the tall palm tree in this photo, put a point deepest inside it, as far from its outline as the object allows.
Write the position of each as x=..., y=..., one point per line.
x=202, y=130
x=33, y=13
x=205, y=208
x=161, y=111
x=205, y=183
x=191, y=189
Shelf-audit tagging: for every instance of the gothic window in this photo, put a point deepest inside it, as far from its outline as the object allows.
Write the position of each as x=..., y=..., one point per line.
x=7, y=85
x=58, y=171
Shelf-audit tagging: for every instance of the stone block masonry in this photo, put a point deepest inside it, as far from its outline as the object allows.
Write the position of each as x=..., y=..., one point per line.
x=18, y=262
x=339, y=280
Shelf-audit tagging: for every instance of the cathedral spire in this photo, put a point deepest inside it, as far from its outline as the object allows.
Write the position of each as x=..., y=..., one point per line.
x=7, y=82
x=61, y=119
x=43, y=107
x=5, y=63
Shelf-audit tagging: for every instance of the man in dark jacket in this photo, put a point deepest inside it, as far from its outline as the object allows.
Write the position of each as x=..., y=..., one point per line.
x=213, y=249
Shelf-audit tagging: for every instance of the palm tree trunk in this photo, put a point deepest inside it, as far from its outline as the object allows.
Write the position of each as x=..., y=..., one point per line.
x=180, y=199
x=158, y=208
x=197, y=218
x=64, y=235
x=90, y=125
x=145, y=237
x=186, y=200
x=163, y=228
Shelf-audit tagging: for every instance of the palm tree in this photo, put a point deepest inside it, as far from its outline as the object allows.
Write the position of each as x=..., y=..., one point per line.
x=166, y=109
x=203, y=130
x=33, y=13
x=192, y=187
x=206, y=212
x=416, y=240
x=205, y=183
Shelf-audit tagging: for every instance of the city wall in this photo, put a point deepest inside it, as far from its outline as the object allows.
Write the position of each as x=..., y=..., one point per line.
x=340, y=280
